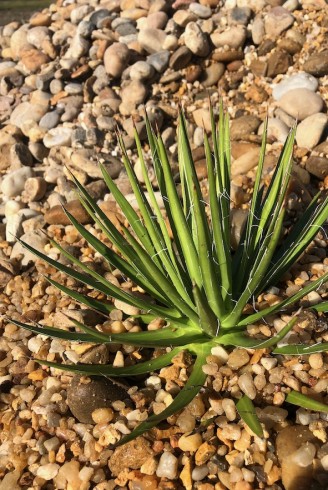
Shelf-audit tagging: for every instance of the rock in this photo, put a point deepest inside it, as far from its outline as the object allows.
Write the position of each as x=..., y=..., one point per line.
x=7, y=69
x=238, y=219
x=152, y=40
x=59, y=136
x=234, y=37
x=196, y=40
x=57, y=216
x=13, y=183
x=133, y=94
x=180, y=58
x=132, y=455
x=159, y=60
x=167, y=466
x=20, y=155
x=35, y=240
x=301, y=103
x=85, y=395
x=276, y=21
x=289, y=441
x=48, y=471
x=49, y=120
x=258, y=30
x=245, y=162
x=317, y=64
x=33, y=59
x=299, y=80
x=27, y=112
x=310, y=130
x=277, y=129
x=34, y=189
x=141, y=70
x=157, y=20
x=278, y=63
x=116, y=58
x=183, y=17
x=193, y=73
x=317, y=166
x=212, y=74
x=202, y=119
x=244, y=126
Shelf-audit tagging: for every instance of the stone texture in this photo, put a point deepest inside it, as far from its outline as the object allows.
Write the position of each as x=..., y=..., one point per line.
x=293, y=103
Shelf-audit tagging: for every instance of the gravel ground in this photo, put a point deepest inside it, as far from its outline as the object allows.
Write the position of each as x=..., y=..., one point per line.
x=68, y=77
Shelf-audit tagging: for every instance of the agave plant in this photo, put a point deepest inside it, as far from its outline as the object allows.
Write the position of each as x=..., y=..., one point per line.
x=198, y=285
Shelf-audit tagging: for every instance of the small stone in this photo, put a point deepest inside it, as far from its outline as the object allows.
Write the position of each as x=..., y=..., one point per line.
x=317, y=166
x=13, y=183
x=193, y=73
x=159, y=60
x=258, y=31
x=152, y=40
x=157, y=20
x=238, y=358
x=244, y=126
x=49, y=120
x=317, y=64
x=33, y=239
x=48, y=471
x=190, y=442
x=202, y=119
x=201, y=11
x=102, y=415
x=85, y=395
x=33, y=59
x=141, y=70
x=277, y=129
x=199, y=473
x=180, y=58
x=301, y=103
x=26, y=112
x=204, y=453
x=309, y=132
x=133, y=94
x=239, y=15
x=116, y=58
x=299, y=80
x=234, y=37
x=276, y=21
x=196, y=40
x=167, y=466
x=212, y=74
x=34, y=188
x=246, y=384
x=57, y=216
x=278, y=63
x=316, y=361
x=59, y=136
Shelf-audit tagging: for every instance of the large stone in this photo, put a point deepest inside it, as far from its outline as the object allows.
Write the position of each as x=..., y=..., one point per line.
x=243, y=126
x=317, y=166
x=310, y=130
x=26, y=112
x=317, y=64
x=234, y=37
x=301, y=103
x=196, y=40
x=13, y=183
x=276, y=21
x=278, y=63
x=152, y=40
x=299, y=80
x=289, y=440
x=116, y=58
x=56, y=215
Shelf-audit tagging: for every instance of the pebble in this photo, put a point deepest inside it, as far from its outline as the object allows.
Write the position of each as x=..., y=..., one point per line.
x=212, y=74
x=48, y=471
x=276, y=21
x=238, y=358
x=35, y=240
x=159, y=60
x=199, y=473
x=299, y=80
x=152, y=40
x=13, y=183
x=277, y=129
x=57, y=216
x=196, y=40
x=167, y=466
x=279, y=62
x=141, y=70
x=27, y=112
x=244, y=126
x=317, y=64
x=234, y=37
x=310, y=131
x=246, y=384
x=180, y=58
x=85, y=395
x=116, y=58
x=293, y=103
x=34, y=188
x=190, y=442
x=59, y=136
x=317, y=166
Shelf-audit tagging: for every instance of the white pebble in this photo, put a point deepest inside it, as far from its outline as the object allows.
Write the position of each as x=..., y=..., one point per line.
x=48, y=471
x=167, y=466
x=199, y=473
x=246, y=384
x=304, y=455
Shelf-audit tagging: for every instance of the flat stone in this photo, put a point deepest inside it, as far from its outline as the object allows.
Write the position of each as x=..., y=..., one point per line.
x=116, y=58
x=57, y=216
x=159, y=60
x=59, y=136
x=180, y=58
x=196, y=40
x=212, y=74
x=277, y=129
x=246, y=162
x=317, y=64
x=234, y=37
x=299, y=80
x=317, y=166
x=276, y=21
x=26, y=112
x=141, y=70
x=152, y=40
x=309, y=132
x=13, y=183
x=278, y=63
x=244, y=126
x=301, y=103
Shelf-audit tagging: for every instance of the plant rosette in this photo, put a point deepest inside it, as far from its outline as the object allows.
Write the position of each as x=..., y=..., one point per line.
x=192, y=277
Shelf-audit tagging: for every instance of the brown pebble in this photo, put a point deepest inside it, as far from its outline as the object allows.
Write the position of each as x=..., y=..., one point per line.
x=57, y=216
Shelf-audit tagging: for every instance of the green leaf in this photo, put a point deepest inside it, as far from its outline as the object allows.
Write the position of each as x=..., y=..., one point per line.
x=301, y=349
x=187, y=394
x=247, y=412
x=321, y=307
x=109, y=370
x=296, y=398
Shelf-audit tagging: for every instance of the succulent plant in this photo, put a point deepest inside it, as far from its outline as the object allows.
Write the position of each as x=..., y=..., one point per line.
x=192, y=278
